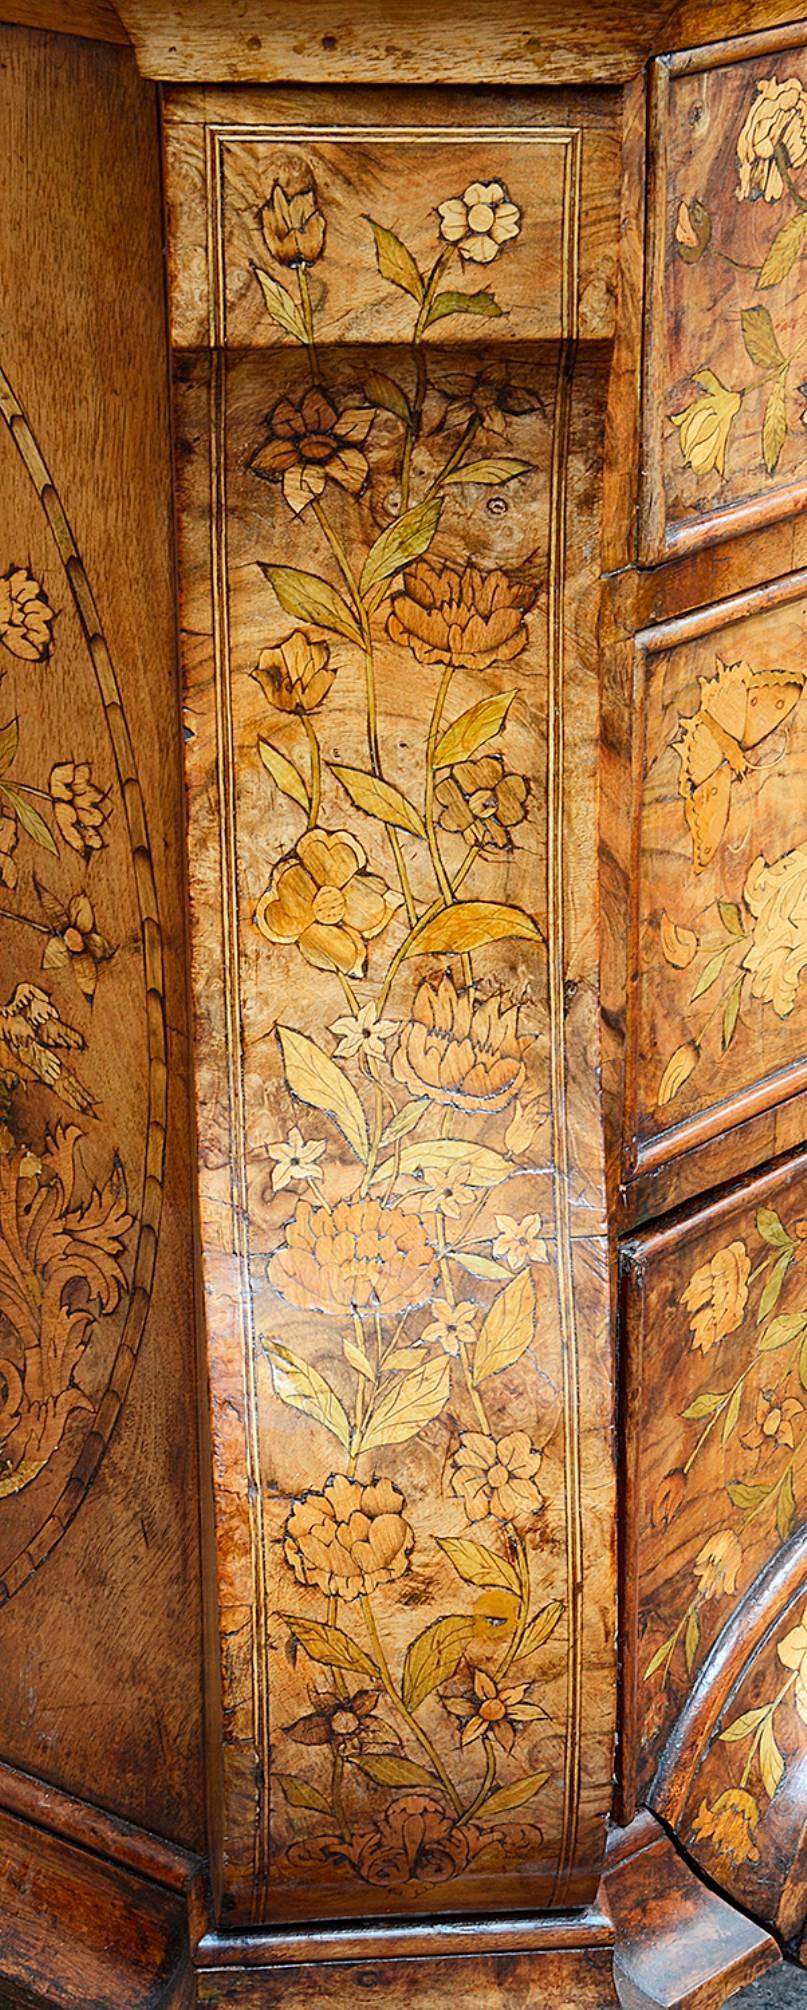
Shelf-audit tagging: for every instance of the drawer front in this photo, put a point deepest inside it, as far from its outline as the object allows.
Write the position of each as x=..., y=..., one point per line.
x=715, y=1434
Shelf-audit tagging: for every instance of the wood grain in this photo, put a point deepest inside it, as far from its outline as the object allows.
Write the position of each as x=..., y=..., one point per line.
x=125, y=1576
x=679, y=1945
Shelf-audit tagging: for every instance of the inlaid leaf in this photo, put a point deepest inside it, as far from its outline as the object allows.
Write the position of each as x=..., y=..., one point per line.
x=284, y=773
x=784, y=251
x=427, y=1158
x=9, y=742
x=678, y=944
x=710, y=973
x=774, y=425
x=540, y=1629
x=355, y=1355
x=302, y=1387
x=329, y=1644
x=507, y=1330
x=409, y=1405
x=434, y=1657
x=300, y=1793
x=477, y=1565
x=782, y=1331
x=462, y=303
x=380, y=799
x=514, y=1796
x=309, y=598
x=677, y=1072
x=33, y=824
x=742, y=1495
x=401, y=1359
x=732, y=1415
x=472, y=729
x=744, y=1726
x=659, y=1658
x=480, y=1266
x=692, y=1638
x=773, y=1285
x=283, y=309
x=314, y=1078
x=470, y=924
x=407, y=538
x=388, y=1770
x=731, y=917
x=407, y=1120
x=395, y=261
x=772, y=1228
x=731, y=1012
x=387, y=393
x=760, y=339
x=771, y=1763
x=705, y=1404
x=803, y=1364
x=490, y=473
x=786, y=1507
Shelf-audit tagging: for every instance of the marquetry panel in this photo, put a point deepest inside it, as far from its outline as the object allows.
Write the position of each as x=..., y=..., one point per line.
x=400, y=1175
x=715, y=1320
x=718, y=935
x=725, y=404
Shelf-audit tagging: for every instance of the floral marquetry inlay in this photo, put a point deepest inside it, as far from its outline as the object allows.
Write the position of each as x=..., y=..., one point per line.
x=727, y=404
x=369, y=531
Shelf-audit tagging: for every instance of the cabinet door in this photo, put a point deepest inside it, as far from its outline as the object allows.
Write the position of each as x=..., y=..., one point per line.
x=388, y=540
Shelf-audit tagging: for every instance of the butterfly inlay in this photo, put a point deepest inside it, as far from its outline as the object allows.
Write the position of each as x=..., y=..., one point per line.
x=739, y=708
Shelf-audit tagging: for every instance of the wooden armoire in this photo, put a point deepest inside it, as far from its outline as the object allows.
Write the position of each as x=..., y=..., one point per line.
x=403, y=1008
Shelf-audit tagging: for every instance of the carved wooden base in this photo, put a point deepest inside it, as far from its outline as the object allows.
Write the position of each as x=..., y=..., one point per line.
x=678, y=1945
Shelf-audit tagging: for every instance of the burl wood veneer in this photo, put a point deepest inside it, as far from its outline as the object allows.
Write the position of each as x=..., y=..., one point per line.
x=472, y=1244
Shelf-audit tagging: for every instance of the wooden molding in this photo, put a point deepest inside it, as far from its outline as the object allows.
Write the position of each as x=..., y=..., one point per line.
x=679, y=1946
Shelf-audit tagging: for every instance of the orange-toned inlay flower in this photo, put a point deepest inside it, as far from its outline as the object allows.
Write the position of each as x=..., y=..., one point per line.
x=792, y=1652
x=312, y=443
x=773, y=1422
x=293, y=226
x=496, y=1476
x=717, y=1564
x=349, y=1538
x=296, y=676
x=322, y=897
x=466, y=619
x=360, y=1256
x=483, y=801
x=26, y=619
x=461, y=1049
x=80, y=807
x=730, y=1825
x=493, y=1711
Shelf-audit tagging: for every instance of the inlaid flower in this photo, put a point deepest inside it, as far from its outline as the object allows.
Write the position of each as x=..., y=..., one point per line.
x=293, y=225
x=693, y=231
x=493, y=1710
x=792, y=1652
x=460, y=1049
x=717, y=1564
x=74, y=943
x=717, y=1294
x=519, y=1242
x=668, y=1498
x=705, y=424
x=359, y=1256
x=465, y=619
x=312, y=443
x=26, y=620
x=322, y=898
x=774, y=1417
x=363, y=1034
x=490, y=398
x=772, y=140
x=79, y=806
x=776, y=896
x=348, y=1723
x=730, y=1825
x=451, y=1326
x=296, y=1159
x=483, y=801
x=296, y=676
x=9, y=837
x=350, y=1538
x=496, y=1476
x=480, y=221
